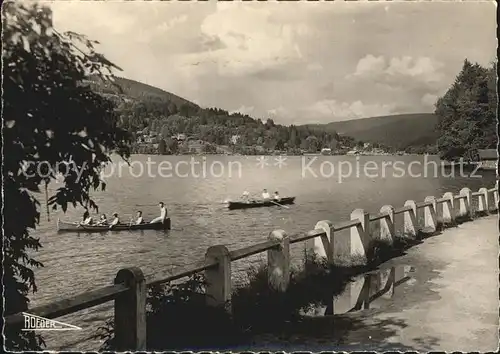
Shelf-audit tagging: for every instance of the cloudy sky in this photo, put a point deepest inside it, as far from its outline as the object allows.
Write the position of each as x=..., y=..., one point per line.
x=295, y=62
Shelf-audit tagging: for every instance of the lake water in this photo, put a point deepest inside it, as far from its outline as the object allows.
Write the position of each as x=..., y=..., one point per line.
x=194, y=193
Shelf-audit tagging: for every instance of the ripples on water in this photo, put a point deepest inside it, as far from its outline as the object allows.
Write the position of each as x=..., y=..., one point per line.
x=80, y=262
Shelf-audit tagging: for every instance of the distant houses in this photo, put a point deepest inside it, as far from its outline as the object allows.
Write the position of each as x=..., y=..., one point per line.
x=235, y=139
x=488, y=159
x=148, y=138
x=179, y=137
x=143, y=136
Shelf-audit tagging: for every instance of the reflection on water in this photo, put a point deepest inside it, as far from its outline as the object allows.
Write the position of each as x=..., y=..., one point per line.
x=363, y=291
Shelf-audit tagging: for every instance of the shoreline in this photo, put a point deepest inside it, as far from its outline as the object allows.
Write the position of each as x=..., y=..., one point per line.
x=286, y=154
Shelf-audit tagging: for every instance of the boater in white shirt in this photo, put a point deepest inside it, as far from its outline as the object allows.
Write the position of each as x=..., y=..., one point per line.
x=87, y=219
x=139, y=219
x=163, y=214
x=116, y=220
x=265, y=194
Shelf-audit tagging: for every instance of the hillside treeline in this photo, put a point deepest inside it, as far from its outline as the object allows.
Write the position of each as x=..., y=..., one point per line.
x=161, y=115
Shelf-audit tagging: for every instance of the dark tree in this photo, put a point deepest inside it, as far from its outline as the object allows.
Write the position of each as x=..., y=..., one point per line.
x=467, y=113
x=50, y=116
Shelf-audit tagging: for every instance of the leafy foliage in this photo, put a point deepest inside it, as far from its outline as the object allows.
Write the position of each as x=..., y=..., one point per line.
x=177, y=317
x=53, y=123
x=467, y=113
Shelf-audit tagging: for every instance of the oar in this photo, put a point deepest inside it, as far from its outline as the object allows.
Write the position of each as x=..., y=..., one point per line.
x=284, y=206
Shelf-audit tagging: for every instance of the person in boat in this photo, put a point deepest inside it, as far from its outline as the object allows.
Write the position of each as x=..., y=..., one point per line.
x=87, y=219
x=163, y=214
x=139, y=220
x=245, y=195
x=103, y=220
x=116, y=220
x=277, y=196
x=265, y=194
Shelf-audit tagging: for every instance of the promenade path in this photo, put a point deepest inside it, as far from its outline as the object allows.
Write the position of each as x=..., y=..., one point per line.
x=450, y=304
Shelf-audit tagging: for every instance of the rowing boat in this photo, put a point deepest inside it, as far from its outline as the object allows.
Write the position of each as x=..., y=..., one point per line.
x=64, y=226
x=260, y=203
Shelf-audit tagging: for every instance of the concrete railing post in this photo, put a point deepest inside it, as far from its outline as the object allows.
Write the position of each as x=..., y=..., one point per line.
x=130, y=311
x=495, y=197
x=465, y=204
x=430, y=215
x=360, y=237
x=218, y=289
x=387, y=227
x=278, y=260
x=449, y=208
x=386, y=282
x=322, y=247
x=410, y=219
x=484, y=201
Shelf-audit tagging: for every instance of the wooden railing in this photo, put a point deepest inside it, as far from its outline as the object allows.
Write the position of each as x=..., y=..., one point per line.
x=130, y=286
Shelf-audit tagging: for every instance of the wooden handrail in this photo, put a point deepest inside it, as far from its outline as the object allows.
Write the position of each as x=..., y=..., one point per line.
x=73, y=304
x=424, y=204
x=307, y=236
x=185, y=271
x=346, y=225
x=251, y=250
x=379, y=216
x=402, y=209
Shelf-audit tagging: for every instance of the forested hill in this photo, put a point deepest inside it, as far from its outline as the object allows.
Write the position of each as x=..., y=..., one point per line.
x=127, y=89
x=144, y=107
x=402, y=132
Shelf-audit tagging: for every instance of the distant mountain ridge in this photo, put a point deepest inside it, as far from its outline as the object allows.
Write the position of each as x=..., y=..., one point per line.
x=135, y=90
x=400, y=131
x=396, y=131
x=156, y=115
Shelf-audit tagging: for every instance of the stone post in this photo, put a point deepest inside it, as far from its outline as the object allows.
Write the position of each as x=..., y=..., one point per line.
x=387, y=227
x=278, y=260
x=465, y=205
x=449, y=208
x=130, y=311
x=218, y=278
x=410, y=219
x=430, y=215
x=484, y=201
x=360, y=238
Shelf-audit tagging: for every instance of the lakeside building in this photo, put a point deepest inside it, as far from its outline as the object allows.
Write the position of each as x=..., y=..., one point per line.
x=488, y=159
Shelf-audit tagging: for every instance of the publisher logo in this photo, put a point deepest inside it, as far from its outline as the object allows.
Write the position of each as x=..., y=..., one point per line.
x=37, y=323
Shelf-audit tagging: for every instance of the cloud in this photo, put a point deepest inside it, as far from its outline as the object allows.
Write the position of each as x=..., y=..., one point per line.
x=349, y=110
x=423, y=69
x=295, y=61
x=314, y=67
x=277, y=112
x=251, y=42
x=370, y=65
x=429, y=99
x=71, y=15
x=244, y=110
